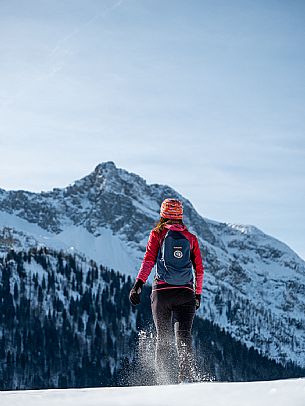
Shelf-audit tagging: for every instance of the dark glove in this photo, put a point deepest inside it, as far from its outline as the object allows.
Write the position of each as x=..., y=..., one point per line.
x=134, y=295
x=198, y=300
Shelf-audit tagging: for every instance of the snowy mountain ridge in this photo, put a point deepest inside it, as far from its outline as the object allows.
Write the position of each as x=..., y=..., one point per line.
x=254, y=284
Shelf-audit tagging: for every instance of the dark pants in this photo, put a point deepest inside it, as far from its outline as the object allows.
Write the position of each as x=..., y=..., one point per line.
x=173, y=306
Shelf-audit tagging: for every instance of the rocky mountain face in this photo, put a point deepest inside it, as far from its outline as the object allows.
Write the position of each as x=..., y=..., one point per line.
x=107, y=198
x=254, y=285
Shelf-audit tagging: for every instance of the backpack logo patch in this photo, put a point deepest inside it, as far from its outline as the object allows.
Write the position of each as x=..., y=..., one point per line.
x=178, y=253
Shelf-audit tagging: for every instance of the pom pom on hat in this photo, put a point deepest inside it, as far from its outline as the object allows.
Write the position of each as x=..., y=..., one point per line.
x=171, y=209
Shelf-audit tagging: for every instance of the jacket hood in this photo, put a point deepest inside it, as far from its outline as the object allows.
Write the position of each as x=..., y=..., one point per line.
x=175, y=227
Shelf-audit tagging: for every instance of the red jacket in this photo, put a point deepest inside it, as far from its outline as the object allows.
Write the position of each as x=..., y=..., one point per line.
x=154, y=244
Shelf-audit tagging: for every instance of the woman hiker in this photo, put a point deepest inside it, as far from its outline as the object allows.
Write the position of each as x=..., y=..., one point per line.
x=176, y=289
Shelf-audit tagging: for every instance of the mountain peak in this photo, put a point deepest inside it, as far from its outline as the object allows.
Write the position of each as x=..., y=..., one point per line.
x=108, y=177
x=105, y=166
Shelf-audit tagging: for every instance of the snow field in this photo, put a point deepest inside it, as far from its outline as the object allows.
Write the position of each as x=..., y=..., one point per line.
x=280, y=393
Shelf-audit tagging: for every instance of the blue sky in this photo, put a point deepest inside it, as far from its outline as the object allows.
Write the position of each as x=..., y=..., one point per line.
x=206, y=96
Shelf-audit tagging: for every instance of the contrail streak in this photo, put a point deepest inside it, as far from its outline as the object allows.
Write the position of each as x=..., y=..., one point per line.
x=54, y=67
x=77, y=30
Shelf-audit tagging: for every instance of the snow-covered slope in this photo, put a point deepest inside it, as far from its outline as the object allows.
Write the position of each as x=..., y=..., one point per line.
x=279, y=393
x=254, y=284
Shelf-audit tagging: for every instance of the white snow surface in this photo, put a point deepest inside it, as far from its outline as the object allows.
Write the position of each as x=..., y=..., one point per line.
x=280, y=393
x=107, y=249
